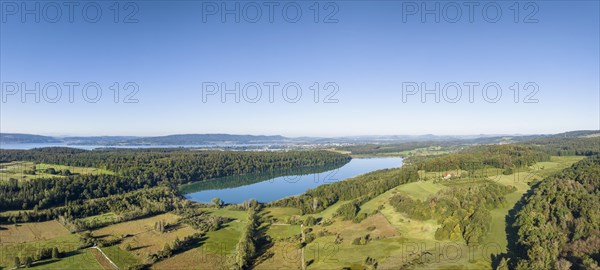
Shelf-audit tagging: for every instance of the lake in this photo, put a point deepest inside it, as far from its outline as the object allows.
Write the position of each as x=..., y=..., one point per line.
x=270, y=186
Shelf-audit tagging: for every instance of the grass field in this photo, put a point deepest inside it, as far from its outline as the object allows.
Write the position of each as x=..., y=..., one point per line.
x=65, y=243
x=102, y=218
x=216, y=248
x=420, y=190
x=387, y=240
x=279, y=230
x=281, y=213
x=283, y=231
x=282, y=255
x=26, y=239
x=20, y=170
x=194, y=258
x=329, y=212
x=142, y=237
x=120, y=257
x=223, y=241
x=31, y=232
x=425, y=151
x=81, y=260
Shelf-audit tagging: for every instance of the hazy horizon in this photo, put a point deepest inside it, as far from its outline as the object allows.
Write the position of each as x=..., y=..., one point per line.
x=249, y=134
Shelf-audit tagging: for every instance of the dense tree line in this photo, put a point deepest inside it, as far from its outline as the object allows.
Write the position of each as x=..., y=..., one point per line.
x=42, y=193
x=374, y=149
x=462, y=211
x=559, y=225
x=360, y=189
x=446, y=142
x=129, y=206
x=569, y=146
x=347, y=211
x=245, y=249
x=478, y=157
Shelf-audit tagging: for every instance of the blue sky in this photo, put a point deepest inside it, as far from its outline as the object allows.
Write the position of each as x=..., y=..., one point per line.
x=367, y=49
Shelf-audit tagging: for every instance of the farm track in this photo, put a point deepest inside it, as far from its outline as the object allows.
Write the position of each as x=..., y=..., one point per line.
x=104, y=260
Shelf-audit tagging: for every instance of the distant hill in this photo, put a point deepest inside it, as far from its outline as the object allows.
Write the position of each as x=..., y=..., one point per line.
x=198, y=139
x=578, y=134
x=97, y=140
x=207, y=139
x=180, y=139
x=13, y=138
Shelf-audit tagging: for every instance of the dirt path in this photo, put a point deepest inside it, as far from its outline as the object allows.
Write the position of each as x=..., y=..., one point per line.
x=106, y=262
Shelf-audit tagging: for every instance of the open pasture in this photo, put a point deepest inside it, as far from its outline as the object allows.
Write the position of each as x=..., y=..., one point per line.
x=25, y=170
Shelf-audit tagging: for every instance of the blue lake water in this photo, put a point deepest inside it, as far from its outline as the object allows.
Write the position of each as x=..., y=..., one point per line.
x=27, y=146
x=236, y=189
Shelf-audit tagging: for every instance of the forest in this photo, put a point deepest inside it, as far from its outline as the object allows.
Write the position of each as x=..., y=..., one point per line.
x=178, y=165
x=131, y=205
x=559, y=225
x=561, y=146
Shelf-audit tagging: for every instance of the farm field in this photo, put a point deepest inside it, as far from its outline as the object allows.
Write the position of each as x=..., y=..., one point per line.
x=31, y=232
x=197, y=257
x=102, y=218
x=80, y=260
x=66, y=243
x=223, y=241
x=420, y=190
x=281, y=255
x=141, y=236
x=23, y=170
x=217, y=246
x=120, y=257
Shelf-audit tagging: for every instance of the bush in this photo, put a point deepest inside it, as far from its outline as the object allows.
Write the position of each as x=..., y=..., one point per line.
x=28, y=262
x=362, y=240
x=508, y=171
x=371, y=263
x=310, y=221
x=360, y=218
x=309, y=237
x=347, y=211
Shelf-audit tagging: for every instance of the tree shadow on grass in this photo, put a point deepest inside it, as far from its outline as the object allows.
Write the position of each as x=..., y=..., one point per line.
x=139, y=247
x=263, y=242
x=515, y=251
